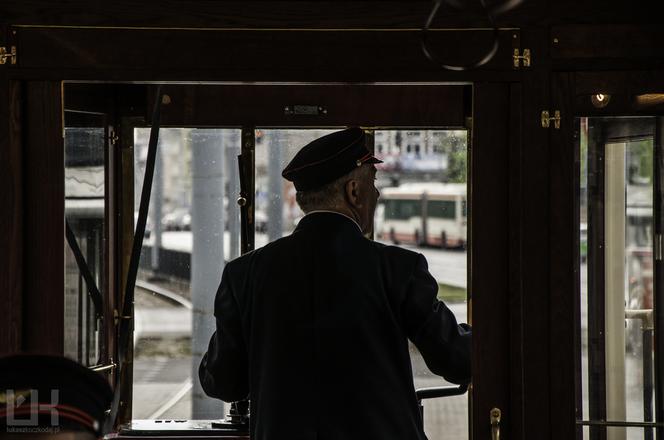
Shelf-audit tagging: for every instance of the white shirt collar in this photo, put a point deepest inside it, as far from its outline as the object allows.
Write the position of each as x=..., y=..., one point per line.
x=336, y=212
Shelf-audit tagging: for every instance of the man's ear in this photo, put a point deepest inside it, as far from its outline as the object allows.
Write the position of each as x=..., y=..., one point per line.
x=352, y=192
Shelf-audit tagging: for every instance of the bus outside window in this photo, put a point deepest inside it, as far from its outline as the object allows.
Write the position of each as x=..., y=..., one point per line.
x=425, y=214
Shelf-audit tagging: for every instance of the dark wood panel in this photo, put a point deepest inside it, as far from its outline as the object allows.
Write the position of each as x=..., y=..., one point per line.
x=43, y=183
x=535, y=255
x=259, y=14
x=11, y=225
x=623, y=82
x=606, y=44
x=128, y=99
x=565, y=344
x=340, y=105
x=489, y=289
x=515, y=241
x=323, y=14
x=340, y=56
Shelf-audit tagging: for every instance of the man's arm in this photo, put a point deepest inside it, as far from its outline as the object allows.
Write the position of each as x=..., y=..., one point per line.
x=224, y=369
x=445, y=345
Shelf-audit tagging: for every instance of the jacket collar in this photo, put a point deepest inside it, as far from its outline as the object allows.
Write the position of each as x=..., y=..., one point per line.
x=328, y=219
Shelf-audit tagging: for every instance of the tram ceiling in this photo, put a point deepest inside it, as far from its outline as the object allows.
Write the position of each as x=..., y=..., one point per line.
x=309, y=14
x=262, y=14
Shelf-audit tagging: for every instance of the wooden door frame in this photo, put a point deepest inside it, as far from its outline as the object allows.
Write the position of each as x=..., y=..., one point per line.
x=496, y=150
x=571, y=94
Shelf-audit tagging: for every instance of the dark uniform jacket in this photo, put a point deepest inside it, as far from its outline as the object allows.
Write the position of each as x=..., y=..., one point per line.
x=314, y=328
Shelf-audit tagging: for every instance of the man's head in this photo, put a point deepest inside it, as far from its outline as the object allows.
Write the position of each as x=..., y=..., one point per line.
x=336, y=172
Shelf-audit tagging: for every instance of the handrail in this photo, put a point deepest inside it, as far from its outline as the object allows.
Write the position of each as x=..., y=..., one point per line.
x=100, y=368
x=435, y=392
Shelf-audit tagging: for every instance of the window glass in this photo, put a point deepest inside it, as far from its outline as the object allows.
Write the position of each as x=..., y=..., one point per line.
x=399, y=209
x=434, y=170
x=441, y=208
x=84, y=246
x=192, y=231
x=435, y=164
x=277, y=211
x=616, y=222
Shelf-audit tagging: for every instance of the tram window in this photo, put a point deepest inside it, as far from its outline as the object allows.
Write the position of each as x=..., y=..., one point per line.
x=438, y=173
x=277, y=212
x=617, y=290
x=193, y=229
x=84, y=238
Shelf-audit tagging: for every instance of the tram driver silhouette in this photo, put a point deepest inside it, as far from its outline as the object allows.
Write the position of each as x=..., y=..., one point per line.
x=313, y=328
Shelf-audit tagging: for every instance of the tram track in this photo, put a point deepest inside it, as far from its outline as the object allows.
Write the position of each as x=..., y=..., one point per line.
x=163, y=317
x=165, y=294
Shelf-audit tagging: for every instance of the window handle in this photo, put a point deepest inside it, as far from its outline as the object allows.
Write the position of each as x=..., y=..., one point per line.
x=494, y=416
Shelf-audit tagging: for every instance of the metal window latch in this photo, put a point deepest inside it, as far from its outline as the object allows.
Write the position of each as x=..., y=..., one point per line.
x=546, y=119
x=117, y=316
x=8, y=54
x=519, y=59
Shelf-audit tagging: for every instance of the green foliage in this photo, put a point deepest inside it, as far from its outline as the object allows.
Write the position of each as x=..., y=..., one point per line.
x=451, y=294
x=455, y=145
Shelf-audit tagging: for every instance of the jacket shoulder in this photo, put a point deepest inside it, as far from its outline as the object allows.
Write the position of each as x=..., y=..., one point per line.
x=396, y=252
x=244, y=261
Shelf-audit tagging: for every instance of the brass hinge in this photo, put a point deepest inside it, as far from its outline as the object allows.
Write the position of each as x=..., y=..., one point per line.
x=113, y=137
x=546, y=120
x=519, y=59
x=7, y=54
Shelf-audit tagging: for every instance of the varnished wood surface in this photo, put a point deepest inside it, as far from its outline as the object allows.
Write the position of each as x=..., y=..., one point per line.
x=534, y=249
x=260, y=14
x=515, y=241
x=336, y=56
x=323, y=14
x=11, y=215
x=341, y=105
x=565, y=342
x=489, y=262
x=43, y=186
x=607, y=41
